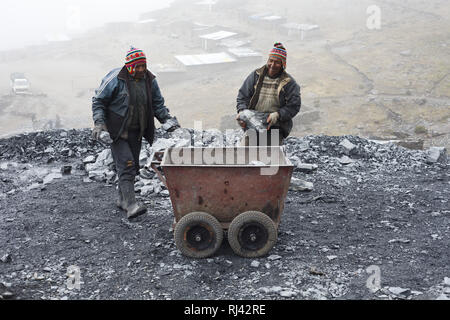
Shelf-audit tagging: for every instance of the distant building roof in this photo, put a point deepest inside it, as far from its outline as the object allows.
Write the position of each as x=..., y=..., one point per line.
x=244, y=52
x=233, y=43
x=260, y=15
x=201, y=24
x=218, y=35
x=298, y=26
x=272, y=18
x=147, y=21
x=207, y=2
x=205, y=59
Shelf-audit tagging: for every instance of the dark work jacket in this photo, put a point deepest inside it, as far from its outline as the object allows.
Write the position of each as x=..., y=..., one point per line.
x=288, y=95
x=110, y=104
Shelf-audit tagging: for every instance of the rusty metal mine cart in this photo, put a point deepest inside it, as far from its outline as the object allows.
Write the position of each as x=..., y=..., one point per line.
x=232, y=194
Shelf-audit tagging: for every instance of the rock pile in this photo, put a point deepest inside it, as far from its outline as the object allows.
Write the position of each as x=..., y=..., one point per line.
x=49, y=146
x=333, y=153
x=367, y=204
x=327, y=154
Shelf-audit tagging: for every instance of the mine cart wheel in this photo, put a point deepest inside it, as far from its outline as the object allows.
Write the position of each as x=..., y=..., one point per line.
x=198, y=235
x=252, y=234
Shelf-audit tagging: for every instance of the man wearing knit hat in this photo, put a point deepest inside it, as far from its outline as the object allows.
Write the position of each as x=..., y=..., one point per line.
x=272, y=91
x=125, y=105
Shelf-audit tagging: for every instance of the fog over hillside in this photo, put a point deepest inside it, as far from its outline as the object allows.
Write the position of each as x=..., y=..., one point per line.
x=27, y=22
x=377, y=69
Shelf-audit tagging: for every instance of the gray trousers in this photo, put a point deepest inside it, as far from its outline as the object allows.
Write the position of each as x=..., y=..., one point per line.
x=126, y=156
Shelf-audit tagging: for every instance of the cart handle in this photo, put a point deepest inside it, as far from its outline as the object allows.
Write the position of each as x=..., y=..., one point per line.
x=155, y=162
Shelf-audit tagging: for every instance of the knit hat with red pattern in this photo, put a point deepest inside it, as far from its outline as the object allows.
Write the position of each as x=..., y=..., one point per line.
x=134, y=57
x=279, y=52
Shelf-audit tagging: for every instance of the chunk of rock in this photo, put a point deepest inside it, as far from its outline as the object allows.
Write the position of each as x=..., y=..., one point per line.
x=274, y=289
x=254, y=264
x=306, y=167
x=331, y=258
x=146, y=190
x=97, y=175
x=6, y=258
x=105, y=157
x=89, y=159
x=436, y=154
x=288, y=293
x=300, y=185
x=105, y=137
x=7, y=295
x=447, y=281
x=347, y=146
x=345, y=160
x=399, y=291
x=253, y=119
x=162, y=144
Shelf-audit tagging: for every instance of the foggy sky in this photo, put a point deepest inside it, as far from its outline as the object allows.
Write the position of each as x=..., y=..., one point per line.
x=27, y=22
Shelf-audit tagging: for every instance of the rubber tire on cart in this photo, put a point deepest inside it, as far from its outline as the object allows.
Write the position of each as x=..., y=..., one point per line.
x=198, y=235
x=252, y=234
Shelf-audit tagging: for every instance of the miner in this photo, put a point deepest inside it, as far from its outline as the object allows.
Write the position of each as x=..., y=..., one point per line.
x=272, y=91
x=125, y=106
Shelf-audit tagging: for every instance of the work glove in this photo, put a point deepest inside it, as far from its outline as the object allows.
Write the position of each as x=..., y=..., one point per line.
x=240, y=122
x=272, y=119
x=99, y=127
x=171, y=124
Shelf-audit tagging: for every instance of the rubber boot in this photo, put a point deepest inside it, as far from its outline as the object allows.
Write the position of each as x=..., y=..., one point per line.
x=133, y=208
x=120, y=202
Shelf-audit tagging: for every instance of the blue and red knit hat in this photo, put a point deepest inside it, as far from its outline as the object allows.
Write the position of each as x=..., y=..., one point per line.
x=279, y=52
x=134, y=56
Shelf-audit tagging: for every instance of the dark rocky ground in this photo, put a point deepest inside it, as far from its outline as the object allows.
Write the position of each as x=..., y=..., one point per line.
x=387, y=210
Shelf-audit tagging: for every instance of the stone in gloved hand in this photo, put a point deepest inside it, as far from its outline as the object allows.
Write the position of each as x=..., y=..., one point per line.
x=105, y=137
x=171, y=124
x=98, y=129
x=254, y=119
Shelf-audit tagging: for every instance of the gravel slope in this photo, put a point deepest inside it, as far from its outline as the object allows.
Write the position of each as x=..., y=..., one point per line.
x=387, y=211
